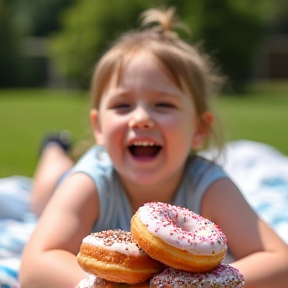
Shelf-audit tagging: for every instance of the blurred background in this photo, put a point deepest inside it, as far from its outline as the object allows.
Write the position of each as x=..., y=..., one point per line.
x=48, y=49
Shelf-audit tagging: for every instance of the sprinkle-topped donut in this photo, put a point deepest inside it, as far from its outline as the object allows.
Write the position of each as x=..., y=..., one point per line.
x=223, y=276
x=114, y=256
x=178, y=237
x=182, y=228
x=116, y=240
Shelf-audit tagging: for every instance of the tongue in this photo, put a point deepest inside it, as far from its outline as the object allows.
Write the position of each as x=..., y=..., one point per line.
x=145, y=151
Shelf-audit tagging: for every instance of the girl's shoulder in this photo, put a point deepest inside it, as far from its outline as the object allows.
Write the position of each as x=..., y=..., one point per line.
x=94, y=160
x=200, y=173
x=200, y=166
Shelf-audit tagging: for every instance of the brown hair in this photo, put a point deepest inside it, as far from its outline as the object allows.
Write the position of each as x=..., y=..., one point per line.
x=191, y=70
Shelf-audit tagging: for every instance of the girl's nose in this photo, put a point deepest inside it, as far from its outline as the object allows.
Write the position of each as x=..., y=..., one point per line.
x=141, y=118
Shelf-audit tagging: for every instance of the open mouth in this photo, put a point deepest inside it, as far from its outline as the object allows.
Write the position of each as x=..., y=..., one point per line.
x=144, y=149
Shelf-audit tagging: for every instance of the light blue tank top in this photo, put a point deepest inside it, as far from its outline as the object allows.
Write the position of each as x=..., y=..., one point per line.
x=115, y=210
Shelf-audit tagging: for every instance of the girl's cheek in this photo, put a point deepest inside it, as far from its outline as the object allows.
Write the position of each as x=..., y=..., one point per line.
x=111, y=119
x=114, y=125
x=171, y=122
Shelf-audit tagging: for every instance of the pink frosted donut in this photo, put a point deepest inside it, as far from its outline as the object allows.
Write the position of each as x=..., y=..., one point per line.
x=223, y=276
x=178, y=237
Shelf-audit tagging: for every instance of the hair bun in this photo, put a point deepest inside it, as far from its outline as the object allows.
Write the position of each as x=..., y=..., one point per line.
x=167, y=21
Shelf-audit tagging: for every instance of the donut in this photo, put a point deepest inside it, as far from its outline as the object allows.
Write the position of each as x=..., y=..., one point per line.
x=178, y=237
x=114, y=256
x=223, y=276
x=93, y=281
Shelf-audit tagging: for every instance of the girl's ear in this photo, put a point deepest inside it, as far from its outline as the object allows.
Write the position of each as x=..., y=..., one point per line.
x=202, y=130
x=96, y=127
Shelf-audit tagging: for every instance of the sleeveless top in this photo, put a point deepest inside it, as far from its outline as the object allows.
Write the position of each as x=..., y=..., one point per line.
x=115, y=210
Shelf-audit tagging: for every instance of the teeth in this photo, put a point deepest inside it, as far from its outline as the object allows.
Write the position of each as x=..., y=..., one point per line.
x=144, y=143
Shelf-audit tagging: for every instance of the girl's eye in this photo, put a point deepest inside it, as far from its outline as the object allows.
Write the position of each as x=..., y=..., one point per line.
x=165, y=105
x=121, y=106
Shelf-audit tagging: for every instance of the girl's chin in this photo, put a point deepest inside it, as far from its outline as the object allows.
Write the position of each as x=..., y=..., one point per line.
x=143, y=159
x=142, y=179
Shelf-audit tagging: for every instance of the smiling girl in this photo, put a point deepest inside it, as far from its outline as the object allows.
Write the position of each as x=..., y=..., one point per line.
x=151, y=94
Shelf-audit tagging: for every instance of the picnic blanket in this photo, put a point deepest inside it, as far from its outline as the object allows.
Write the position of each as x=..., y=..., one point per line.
x=17, y=223
x=261, y=173
x=259, y=170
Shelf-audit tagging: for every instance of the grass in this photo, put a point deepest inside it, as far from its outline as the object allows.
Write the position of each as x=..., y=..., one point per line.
x=26, y=115
x=262, y=118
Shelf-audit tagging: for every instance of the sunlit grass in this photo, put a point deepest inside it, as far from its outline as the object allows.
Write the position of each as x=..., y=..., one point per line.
x=26, y=116
x=255, y=117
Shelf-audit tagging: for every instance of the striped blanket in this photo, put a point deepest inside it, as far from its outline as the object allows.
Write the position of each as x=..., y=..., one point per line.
x=260, y=171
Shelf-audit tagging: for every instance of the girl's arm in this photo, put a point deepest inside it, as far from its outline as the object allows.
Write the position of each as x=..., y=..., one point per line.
x=262, y=257
x=49, y=258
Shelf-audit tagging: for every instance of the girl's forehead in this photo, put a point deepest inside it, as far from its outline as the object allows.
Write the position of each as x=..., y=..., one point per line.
x=143, y=66
x=144, y=85
x=141, y=70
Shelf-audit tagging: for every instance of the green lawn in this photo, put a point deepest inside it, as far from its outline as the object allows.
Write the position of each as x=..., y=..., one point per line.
x=26, y=115
x=261, y=118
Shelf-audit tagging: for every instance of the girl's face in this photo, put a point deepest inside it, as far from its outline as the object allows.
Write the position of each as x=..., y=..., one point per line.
x=147, y=124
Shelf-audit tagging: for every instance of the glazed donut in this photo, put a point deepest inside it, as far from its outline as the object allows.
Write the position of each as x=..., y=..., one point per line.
x=223, y=276
x=93, y=281
x=178, y=237
x=114, y=256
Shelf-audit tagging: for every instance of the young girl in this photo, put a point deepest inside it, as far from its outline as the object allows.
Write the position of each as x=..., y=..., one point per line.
x=150, y=110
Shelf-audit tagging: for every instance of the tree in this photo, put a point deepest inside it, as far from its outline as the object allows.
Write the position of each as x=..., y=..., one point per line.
x=88, y=28
x=230, y=30
x=9, y=48
x=38, y=18
x=20, y=19
x=231, y=35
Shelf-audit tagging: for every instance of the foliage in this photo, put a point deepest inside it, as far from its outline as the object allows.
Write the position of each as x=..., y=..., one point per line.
x=88, y=28
x=9, y=48
x=39, y=18
x=20, y=19
x=231, y=35
x=230, y=30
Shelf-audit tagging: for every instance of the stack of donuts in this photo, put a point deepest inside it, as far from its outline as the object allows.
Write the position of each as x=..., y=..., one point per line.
x=168, y=245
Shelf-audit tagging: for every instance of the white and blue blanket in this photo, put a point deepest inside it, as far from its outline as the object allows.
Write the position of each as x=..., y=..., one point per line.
x=260, y=171
x=16, y=225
